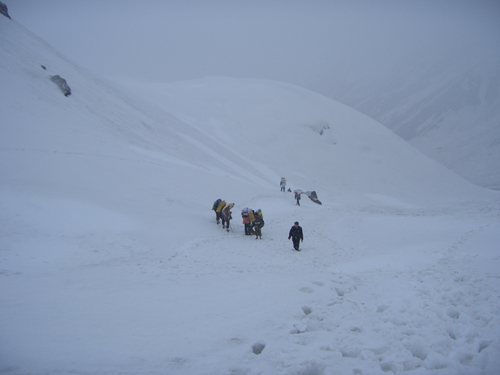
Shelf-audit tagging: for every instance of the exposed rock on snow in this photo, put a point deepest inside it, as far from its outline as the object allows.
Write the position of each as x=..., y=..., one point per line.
x=320, y=127
x=3, y=10
x=62, y=84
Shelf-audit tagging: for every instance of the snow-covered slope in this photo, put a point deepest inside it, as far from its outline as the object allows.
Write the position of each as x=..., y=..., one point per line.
x=111, y=261
x=448, y=109
x=318, y=143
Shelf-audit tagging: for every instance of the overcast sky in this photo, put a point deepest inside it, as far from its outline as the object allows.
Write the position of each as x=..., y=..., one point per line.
x=311, y=43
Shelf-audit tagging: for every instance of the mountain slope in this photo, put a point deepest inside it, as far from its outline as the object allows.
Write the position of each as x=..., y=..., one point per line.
x=448, y=109
x=353, y=154
x=111, y=261
x=309, y=138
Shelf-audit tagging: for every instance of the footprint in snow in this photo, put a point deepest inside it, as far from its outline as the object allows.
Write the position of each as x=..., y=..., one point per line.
x=258, y=347
x=307, y=310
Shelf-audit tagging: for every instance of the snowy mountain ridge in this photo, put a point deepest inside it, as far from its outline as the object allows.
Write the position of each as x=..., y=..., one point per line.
x=448, y=109
x=111, y=260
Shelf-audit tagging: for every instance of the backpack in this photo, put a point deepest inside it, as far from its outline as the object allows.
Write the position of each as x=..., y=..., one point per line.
x=221, y=206
x=216, y=204
x=251, y=216
x=259, y=220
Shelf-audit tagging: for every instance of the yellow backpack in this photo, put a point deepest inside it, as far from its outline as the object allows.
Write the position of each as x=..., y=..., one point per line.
x=221, y=206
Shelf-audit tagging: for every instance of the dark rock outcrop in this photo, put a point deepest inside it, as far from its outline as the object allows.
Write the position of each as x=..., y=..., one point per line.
x=61, y=82
x=3, y=10
x=313, y=196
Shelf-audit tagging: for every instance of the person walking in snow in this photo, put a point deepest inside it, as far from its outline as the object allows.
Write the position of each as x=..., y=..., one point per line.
x=297, y=197
x=251, y=219
x=218, y=210
x=246, y=221
x=296, y=235
x=258, y=224
x=283, y=184
x=226, y=216
x=214, y=208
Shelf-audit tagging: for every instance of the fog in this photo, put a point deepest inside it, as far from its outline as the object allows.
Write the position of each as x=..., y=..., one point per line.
x=324, y=46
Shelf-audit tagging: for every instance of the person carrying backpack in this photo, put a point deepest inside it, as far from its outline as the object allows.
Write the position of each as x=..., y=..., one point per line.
x=246, y=221
x=297, y=197
x=258, y=224
x=218, y=211
x=214, y=208
x=283, y=184
x=226, y=215
x=296, y=235
x=251, y=219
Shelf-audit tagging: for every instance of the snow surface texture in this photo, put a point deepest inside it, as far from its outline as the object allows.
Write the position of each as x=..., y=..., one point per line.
x=111, y=261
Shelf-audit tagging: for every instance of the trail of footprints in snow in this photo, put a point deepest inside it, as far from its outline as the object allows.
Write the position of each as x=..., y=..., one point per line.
x=431, y=328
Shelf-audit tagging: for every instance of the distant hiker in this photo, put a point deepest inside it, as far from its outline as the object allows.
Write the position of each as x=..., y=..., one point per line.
x=226, y=215
x=283, y=184
x=214, y=208
x=297, y=197
x=296, y=235
x=246, y=221
x=251, y=218
x=258, y=224
x=218, y=210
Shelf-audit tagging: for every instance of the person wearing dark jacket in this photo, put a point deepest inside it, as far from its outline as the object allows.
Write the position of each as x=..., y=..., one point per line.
x=297, y=197
x=226, y=215
x=258, y=224
x=214, y=208
x=296, y=235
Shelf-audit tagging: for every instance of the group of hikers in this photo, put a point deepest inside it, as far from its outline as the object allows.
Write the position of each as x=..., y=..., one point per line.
x=253, y=220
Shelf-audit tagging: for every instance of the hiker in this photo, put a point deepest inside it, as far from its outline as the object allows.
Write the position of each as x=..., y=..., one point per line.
x=218, y=210
x=259, y=224
x=251, y=218
x=246, y=221
x=283, y=184
x=296, y=235
x=226, y=215
x=297, y=197
x=214, y=208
